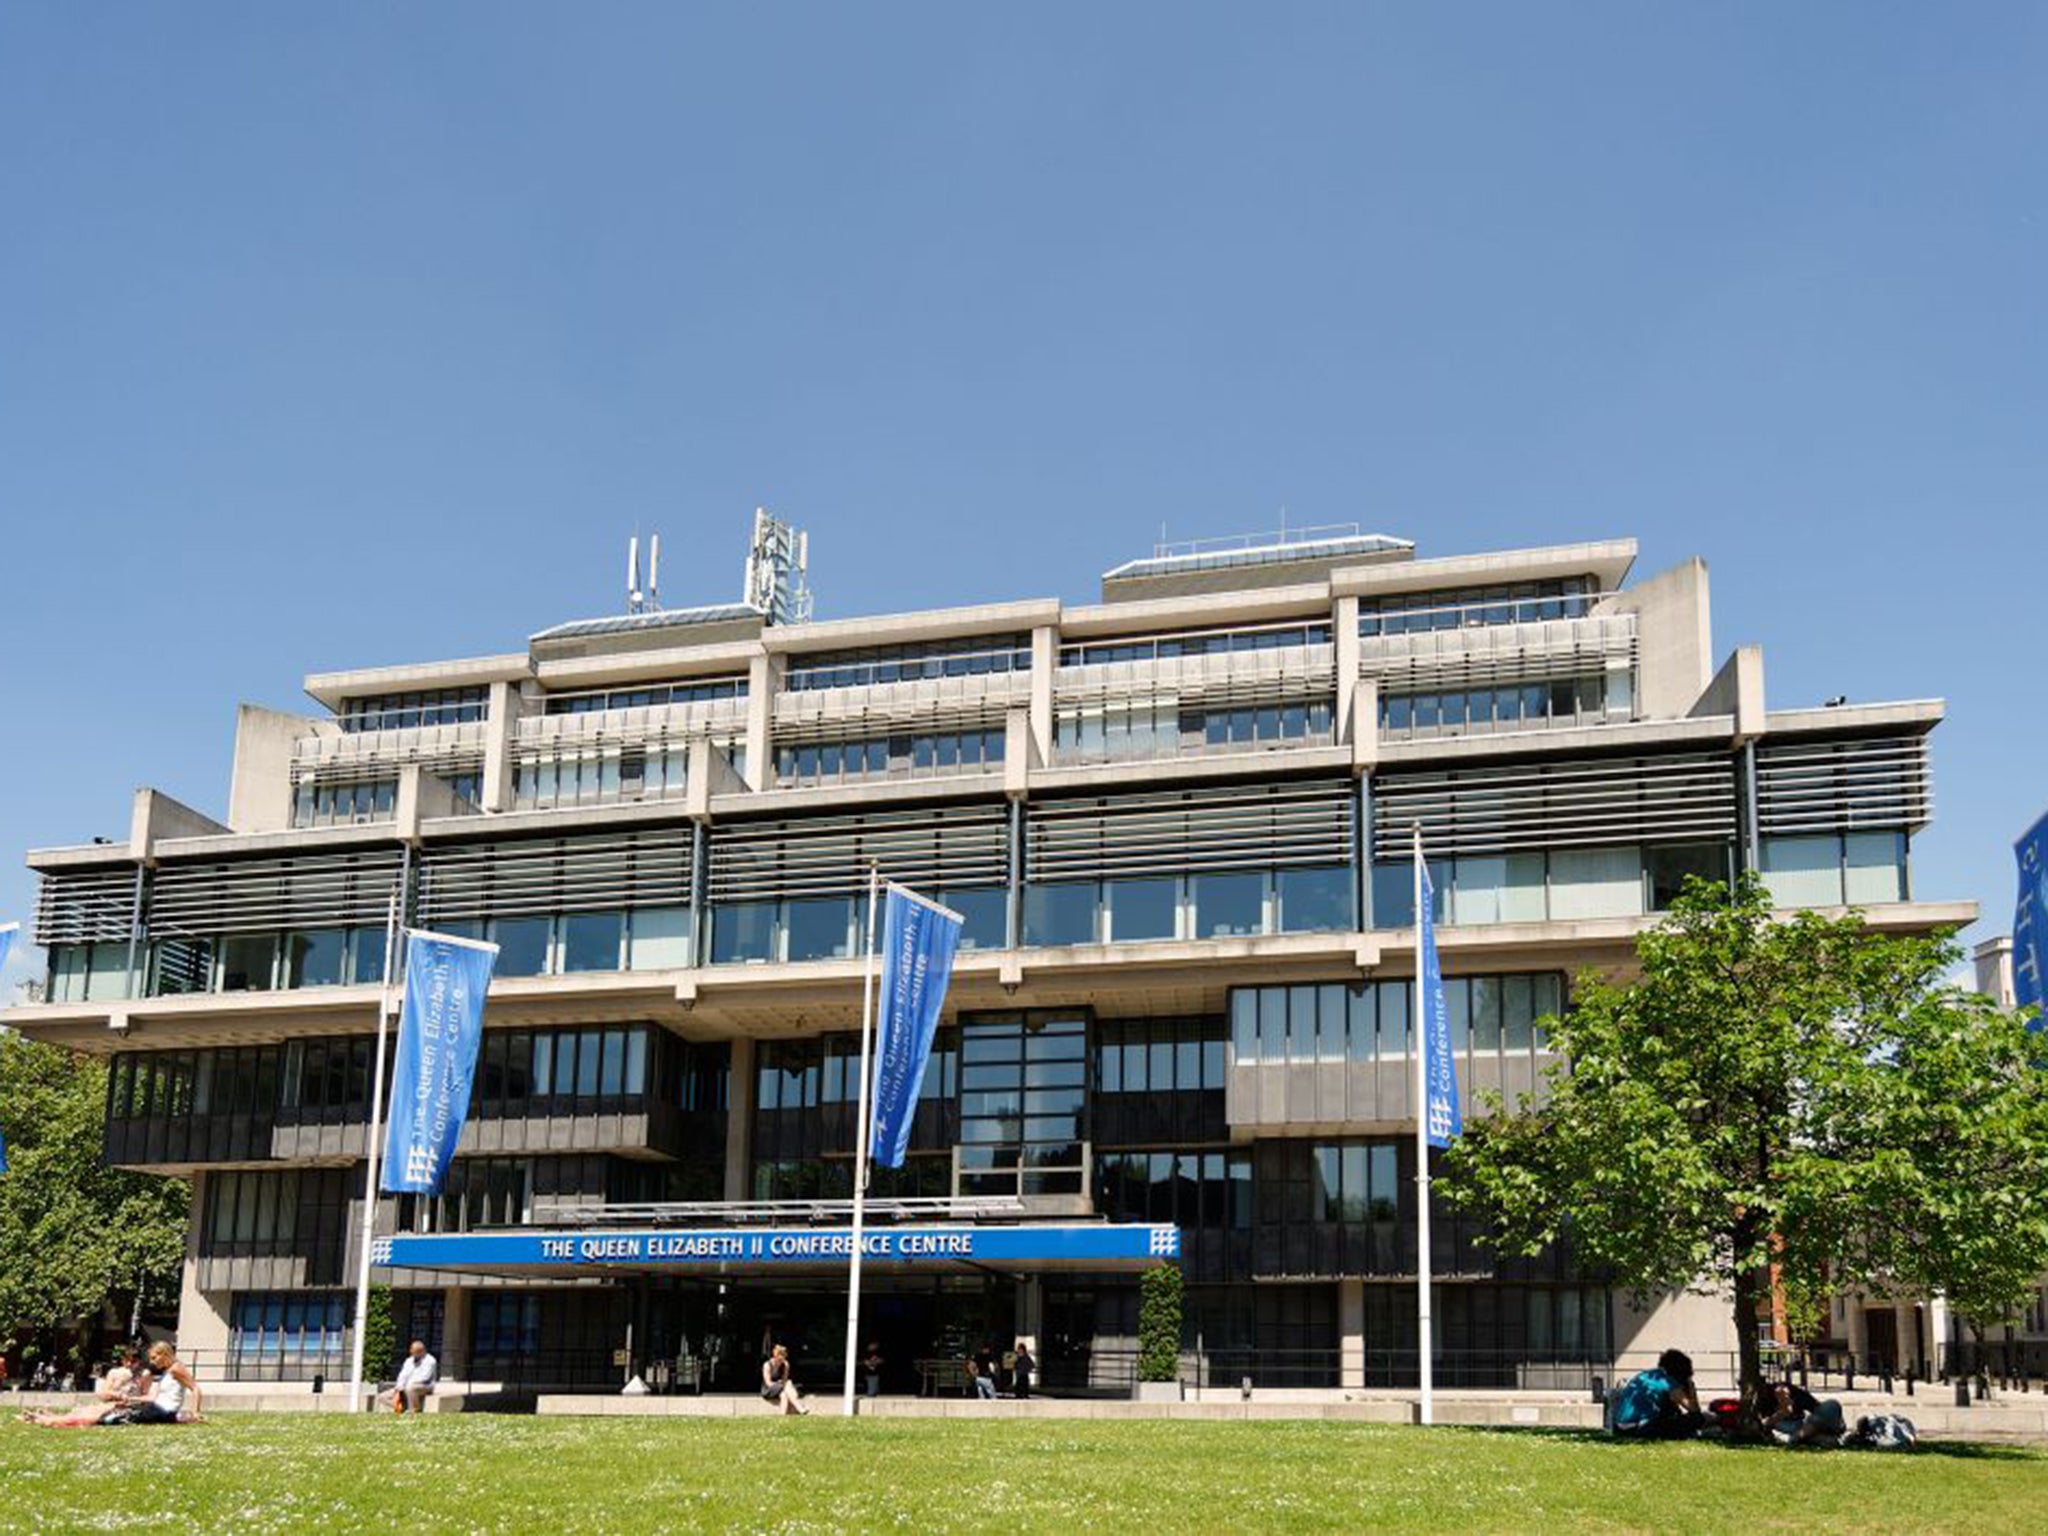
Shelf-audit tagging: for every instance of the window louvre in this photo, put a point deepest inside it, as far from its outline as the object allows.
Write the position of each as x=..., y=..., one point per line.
x=1679, y=798
x=85, y=906
x=535, y=876
x=931, y=850
x=1842, y=785
x=1264, y=826
x=257, y=895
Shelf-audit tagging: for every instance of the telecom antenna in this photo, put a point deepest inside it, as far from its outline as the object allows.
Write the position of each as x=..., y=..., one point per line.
x=633, y=601
x=778, y=564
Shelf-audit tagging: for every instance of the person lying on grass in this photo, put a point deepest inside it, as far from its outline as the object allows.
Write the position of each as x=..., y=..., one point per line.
x=125, y=1386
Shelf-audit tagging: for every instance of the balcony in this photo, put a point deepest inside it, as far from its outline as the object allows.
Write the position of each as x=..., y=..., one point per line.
x=1497, y=644
x=913, y=706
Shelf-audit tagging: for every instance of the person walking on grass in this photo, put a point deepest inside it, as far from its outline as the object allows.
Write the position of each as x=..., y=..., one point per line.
x=778, y=1383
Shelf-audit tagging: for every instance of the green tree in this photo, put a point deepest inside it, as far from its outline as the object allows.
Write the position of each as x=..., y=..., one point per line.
x=74, y=1233
x=380, y=1335
x=1799, y=1091
x=1159, y=1307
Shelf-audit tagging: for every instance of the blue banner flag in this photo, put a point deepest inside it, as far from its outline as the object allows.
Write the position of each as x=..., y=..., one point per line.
x=918, y=940
x=2030, y=922
x=7, y=933
x=1440, y=1078
x=438, y=1034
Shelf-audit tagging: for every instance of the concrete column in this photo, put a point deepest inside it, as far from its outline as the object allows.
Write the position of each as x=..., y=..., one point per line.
x=764, y=678
x=1344, y=635
x=202, y=1315
x=1351, y=1333
x=1045, y=660
x=1937, y=1333
x=501, y=731
x=455, y=1330
x=1859, y=1331
x=739, y=1122
x=1029, y=1319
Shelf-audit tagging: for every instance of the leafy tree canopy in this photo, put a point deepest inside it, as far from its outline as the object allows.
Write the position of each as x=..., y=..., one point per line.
x=74, y=1233
x=1793, y=1090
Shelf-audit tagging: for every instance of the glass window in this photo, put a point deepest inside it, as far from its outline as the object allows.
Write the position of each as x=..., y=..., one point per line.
x=591, y=940
x=1874, y=865
x=315, y=959
x=247, y=962
x=1142, y=909
x=1596, y=882
x=1062, y=913
x=985, y=917
x=742, y=932
x=1803, y=871
x=819, y=929
x=366, y=950
x=660, y=939
x=1393, y=895
x=589, y=1063
x=1670, y=865
x=522, y=945
x=1486, y=1017
x=613, y=1081
x=1363, y=1025
x=1244, y=1024
x=1229, y=906
x=1315, y=900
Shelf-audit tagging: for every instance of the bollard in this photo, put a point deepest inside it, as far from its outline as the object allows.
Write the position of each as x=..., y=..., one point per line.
x=1962, y=1393
x=1849, y=1377
x=1599, y=1391
x=1909, y=1383
x=319, y=1382
x=1884, y=1378
x=1245, y=1389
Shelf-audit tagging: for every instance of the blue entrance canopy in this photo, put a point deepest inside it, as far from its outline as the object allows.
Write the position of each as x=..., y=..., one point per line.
x=1076, y=1246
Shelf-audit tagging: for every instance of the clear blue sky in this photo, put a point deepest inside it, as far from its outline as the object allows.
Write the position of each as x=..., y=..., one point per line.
x=342, y=335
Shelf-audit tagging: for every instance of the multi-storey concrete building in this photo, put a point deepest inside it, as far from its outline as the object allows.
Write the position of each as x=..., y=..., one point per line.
x=1178, y=823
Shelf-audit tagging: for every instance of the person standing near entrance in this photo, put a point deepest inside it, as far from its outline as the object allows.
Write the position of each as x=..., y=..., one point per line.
x=1022, y=1368
x=871, y=1371
x=983, y=1370
x=778, y=1384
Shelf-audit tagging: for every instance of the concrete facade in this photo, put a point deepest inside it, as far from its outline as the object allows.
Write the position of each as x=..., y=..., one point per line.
x=1192, y=809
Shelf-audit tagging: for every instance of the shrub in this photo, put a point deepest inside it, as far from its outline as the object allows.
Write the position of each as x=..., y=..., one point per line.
x=1159, y=1306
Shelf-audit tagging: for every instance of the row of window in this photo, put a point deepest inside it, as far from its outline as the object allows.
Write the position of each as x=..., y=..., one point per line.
x=281, y=1212
x=834, y=762
x=1541, y=885
x=645, y=939
x=830, y=927
x=965, y=656
x=1331, y=1023
x=1232, y=904
x=807, y=1074
x=317, y=803
x=1521, y=603
x=654, y=696
x=408, y=711
x=1558, y=884
x=1567, y=701
x=582, y=1070
x=1214, y=642
x=288, y=1326
x=1122, y=731
x=601, y=776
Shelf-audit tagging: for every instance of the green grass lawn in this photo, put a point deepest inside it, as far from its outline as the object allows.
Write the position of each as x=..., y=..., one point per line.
x=477, y=1473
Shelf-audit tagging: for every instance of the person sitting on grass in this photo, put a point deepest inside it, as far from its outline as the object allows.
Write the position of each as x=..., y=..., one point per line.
x=1660, y=1403
x=123, y=1387
x=1791, y=1415
x=175, y=1396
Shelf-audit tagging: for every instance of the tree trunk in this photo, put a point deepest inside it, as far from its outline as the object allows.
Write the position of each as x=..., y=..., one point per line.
x=1749, y=1356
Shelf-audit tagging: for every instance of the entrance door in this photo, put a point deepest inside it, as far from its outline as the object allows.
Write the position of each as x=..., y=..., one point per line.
x=1881, y=1326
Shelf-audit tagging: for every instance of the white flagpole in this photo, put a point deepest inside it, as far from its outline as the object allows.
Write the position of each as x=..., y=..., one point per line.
x=371, y=1150
x=860, y=1146
x=1421, y=1039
